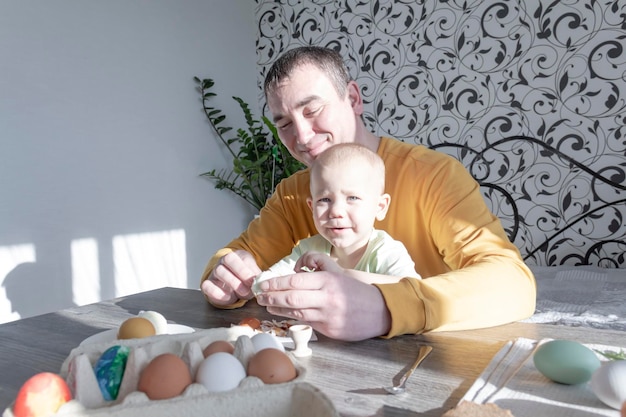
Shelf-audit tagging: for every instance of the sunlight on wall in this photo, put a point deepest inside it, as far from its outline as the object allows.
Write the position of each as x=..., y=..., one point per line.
x=141, y=262
x=10, y=258
x=149, y=260
x=85, y=271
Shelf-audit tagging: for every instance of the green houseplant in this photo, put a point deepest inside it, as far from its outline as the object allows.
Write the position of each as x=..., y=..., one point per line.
x=260, y=160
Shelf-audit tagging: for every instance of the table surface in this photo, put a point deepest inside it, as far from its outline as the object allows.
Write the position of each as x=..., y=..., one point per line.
x=352, y=374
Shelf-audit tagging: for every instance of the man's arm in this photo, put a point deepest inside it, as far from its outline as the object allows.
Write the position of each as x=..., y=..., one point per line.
x=283, y=221
x=482, y=282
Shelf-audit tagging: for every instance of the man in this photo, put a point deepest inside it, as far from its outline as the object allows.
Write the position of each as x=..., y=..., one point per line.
x=474, y=277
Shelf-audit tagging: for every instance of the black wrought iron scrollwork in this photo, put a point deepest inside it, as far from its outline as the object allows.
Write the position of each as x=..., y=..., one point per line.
x=541, y=224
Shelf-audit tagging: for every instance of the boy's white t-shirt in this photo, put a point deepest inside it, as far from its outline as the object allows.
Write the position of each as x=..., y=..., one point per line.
x=384, y=255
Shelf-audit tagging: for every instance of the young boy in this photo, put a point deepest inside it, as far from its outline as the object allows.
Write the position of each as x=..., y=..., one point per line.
x=347, y=197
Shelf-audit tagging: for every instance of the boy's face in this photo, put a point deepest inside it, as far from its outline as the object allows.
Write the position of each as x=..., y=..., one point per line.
x=309, y=114
x=345, y=203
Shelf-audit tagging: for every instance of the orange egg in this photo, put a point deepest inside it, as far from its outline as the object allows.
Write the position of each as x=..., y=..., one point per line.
x=41, y=395
x=136, y=327
x=166, y=376
x=218, y=346
x=272, y=366
x=251, y=322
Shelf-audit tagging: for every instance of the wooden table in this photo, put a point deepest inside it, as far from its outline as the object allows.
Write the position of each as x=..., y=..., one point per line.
x=350, y=373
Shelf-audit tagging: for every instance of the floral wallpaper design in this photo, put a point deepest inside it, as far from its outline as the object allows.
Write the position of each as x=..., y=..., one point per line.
x=530, y=95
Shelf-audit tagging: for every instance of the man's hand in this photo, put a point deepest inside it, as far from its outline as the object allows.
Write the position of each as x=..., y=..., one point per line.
x=231, y=278
x=336, y=305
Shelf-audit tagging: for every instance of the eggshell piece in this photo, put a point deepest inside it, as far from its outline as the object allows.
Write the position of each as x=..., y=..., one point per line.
x=608, y=383
x=157, y=319
x=262, y=341
x=220, y=372
x=136, y=328
x=41, y=395
x=566, y=362
x=263, y=276
x=166, y=376
x=272, y=366
x=251, y=322
x=110, y=370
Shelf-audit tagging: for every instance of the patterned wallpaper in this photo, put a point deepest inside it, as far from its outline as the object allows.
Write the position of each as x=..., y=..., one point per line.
x=530, y=95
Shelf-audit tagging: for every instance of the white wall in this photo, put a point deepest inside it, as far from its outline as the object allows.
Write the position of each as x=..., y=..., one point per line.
x=102, y=139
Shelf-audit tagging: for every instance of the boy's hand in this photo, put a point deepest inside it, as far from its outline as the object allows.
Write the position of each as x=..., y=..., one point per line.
x=315, y=261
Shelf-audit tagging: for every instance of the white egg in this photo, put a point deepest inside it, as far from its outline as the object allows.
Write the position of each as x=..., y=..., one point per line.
x=158, y=321
x=220, y=372
x=262, y=341
x=609, y=383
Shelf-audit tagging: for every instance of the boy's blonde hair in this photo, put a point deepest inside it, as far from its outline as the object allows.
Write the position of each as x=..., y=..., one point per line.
x=344, y=154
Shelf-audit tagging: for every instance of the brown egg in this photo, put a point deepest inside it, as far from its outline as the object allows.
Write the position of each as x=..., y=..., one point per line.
x=623, y=411
x=251, y=322
x=218, y=346
x=272, y=366
x=135, y=328
x=166, y=376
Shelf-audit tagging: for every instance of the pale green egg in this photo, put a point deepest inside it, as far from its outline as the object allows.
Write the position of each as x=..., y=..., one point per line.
x=566, y=361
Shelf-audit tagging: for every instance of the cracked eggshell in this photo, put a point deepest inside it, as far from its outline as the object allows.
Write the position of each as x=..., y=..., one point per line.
x=158, y=321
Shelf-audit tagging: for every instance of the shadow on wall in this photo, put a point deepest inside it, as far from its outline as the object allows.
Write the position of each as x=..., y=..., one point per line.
x=29, y=294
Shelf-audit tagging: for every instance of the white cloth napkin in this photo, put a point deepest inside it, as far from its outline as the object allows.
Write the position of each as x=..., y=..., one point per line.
x=512, y=382
x=580, y=296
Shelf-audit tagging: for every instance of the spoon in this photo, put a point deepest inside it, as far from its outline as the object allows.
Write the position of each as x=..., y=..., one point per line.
x=399, y=387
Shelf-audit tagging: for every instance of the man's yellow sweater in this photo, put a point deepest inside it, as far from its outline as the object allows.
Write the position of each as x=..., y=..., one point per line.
x=473, y=276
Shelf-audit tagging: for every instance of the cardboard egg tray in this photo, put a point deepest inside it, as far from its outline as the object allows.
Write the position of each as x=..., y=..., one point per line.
x=252, y=397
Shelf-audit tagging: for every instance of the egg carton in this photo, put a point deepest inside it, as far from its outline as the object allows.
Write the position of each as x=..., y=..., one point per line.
x=252, y=396
x=294, y=399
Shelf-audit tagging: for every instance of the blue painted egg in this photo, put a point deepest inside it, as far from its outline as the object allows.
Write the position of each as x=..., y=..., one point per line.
x=110, y=370
x=566, y=361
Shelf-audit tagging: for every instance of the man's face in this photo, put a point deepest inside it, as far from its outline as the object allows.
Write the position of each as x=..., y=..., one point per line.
x=309, y=114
